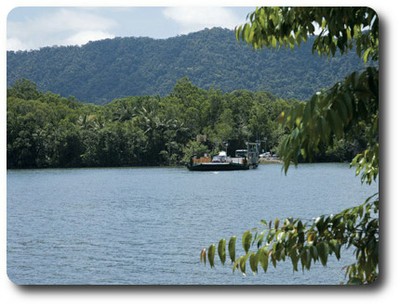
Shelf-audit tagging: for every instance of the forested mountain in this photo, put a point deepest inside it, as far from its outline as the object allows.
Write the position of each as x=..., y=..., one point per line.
x=101, y=71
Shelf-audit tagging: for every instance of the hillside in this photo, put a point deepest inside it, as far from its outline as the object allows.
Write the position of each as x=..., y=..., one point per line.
x=101, y=71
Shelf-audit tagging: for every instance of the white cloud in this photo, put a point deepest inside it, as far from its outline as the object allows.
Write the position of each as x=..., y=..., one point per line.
x=36, y=27
x=15, y=44
x=58, y=27
x=192, y=19
x=83, y=37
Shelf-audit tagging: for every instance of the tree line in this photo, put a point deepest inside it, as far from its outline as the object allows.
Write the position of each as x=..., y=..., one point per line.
x=47, y=130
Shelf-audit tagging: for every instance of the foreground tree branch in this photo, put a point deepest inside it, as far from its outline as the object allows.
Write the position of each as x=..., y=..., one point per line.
x=329, y=115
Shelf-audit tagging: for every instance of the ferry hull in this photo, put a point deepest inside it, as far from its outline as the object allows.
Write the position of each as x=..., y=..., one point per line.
x=217, y=167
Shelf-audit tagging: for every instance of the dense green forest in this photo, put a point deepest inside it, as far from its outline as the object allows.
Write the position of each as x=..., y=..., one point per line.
x=101, y=71
x=48, y=130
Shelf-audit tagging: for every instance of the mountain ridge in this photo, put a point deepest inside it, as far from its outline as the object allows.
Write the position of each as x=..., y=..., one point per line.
x=101, y=71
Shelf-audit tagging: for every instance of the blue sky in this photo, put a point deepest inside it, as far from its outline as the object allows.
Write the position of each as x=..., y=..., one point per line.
x=35, y=27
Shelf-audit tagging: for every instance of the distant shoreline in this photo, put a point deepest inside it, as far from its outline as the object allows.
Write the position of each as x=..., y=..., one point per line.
x=270, y=161
x=262, y=161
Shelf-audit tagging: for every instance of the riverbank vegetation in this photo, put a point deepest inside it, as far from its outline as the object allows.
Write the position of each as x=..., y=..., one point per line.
x=47, y=130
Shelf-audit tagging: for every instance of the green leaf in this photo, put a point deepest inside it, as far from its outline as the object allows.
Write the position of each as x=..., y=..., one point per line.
x=314, y=252
x=295, y=259
x=232, y=248
x=300, y=227
x=273, y=259
x=342, y=108
x=238, y=29
x=366, y=55
x=246, y=31
x=305, y=258
x=246, y=240
x=203, y=255
x=335, y=247
x=251, y=34
x=319, y=222
x=263, y=258
x=335, y=122
x=222, y=250
x=260, y=239
x=273, y=42
x=242, y=264
x=323, y=252
x=310, y=237
x=254, y=262
x=211, y=254
x=236, y=264
x=276, y=223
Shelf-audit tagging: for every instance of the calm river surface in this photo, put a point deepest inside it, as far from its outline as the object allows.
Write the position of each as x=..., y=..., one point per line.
x=148, y=225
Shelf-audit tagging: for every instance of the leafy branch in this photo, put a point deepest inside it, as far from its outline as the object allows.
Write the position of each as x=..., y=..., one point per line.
x=340, y=112
x=329, y=115
x=306, y=243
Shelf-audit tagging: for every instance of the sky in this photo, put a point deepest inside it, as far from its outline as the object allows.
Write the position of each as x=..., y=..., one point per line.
x=30, y=28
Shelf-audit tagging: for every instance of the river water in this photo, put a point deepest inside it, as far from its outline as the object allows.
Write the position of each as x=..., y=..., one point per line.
x=146, y=226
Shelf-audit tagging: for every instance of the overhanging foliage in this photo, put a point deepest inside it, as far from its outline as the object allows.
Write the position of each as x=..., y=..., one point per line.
x=347, y=108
